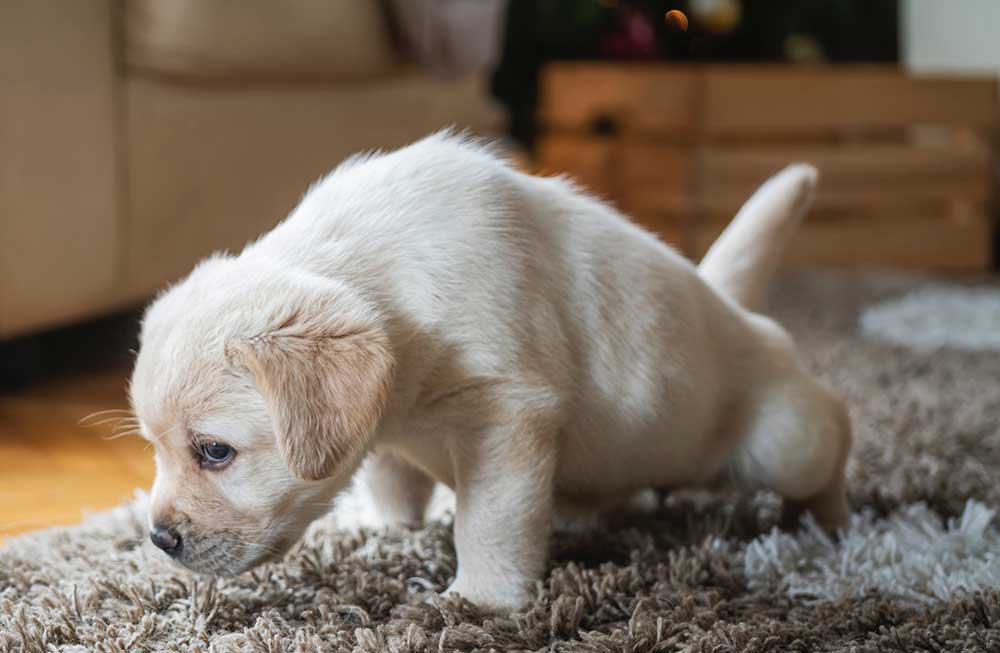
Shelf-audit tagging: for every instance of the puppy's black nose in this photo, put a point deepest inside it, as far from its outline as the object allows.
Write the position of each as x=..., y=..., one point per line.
x=167, y=540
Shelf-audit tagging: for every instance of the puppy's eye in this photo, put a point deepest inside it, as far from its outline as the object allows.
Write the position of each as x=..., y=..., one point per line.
x=215, y=455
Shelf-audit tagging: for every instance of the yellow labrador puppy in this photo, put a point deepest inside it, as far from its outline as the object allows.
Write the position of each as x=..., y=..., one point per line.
x=462, y=322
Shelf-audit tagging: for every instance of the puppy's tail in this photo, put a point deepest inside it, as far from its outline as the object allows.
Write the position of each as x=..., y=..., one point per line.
x=742, y=262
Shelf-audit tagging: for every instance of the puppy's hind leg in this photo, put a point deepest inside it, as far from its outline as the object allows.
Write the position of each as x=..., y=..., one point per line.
x=399, y=490
x=796, y=444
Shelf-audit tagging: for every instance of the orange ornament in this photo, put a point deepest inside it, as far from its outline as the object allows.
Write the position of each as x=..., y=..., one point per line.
x=676, y=20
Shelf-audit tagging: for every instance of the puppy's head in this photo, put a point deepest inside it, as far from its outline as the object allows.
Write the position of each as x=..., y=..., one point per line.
x=259, y=390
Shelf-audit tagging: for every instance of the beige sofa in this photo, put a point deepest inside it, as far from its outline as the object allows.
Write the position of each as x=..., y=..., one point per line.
x=137, y=136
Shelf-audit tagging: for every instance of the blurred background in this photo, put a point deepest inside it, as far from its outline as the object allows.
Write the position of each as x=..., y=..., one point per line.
x=137, y=136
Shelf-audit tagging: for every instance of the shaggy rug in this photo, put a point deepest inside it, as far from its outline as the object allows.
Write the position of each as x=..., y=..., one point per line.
x=918, y=569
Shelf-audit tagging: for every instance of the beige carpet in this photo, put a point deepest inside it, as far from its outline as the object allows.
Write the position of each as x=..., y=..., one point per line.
x=918, y=570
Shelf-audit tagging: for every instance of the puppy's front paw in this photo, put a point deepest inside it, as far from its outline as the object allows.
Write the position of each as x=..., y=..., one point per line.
x=493, y=595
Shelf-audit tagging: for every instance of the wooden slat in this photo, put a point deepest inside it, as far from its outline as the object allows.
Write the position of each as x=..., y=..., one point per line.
x=589, y=161
x=860, y=163
x=632, y=174
x=925, y=242
x=773, y=99
x=859, y=176
x=682, y=103
x=657, y=167
x=657, y=179
x=657, y=99
x=855, y=176
x=899, y=156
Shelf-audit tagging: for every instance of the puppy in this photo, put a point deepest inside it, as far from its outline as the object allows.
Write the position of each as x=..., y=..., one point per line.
x=462, y=322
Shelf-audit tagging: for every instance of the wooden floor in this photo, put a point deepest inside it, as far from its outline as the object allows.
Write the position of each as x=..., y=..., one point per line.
x=52, y=468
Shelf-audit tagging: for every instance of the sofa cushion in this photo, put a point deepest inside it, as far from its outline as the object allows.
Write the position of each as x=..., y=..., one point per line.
x=211, y=167
x=258, y=40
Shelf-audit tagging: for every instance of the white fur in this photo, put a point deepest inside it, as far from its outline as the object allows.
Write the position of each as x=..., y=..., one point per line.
x=544, y=349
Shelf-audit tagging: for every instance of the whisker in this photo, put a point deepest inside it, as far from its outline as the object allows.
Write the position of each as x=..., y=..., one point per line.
x=250, y=546
x=132, y=426
x=110, y=410
x=256, y=532
x=227, y=556
x=157, y=438
x=93, y=424
x=122, y=426
x=111, y=414
x=215, y=552
x=115, y=436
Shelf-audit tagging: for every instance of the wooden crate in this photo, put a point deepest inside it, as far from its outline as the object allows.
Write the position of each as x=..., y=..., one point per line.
x=905, y=162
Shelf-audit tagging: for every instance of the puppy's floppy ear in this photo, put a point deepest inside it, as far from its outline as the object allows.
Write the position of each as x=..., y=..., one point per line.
x=326, y=388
